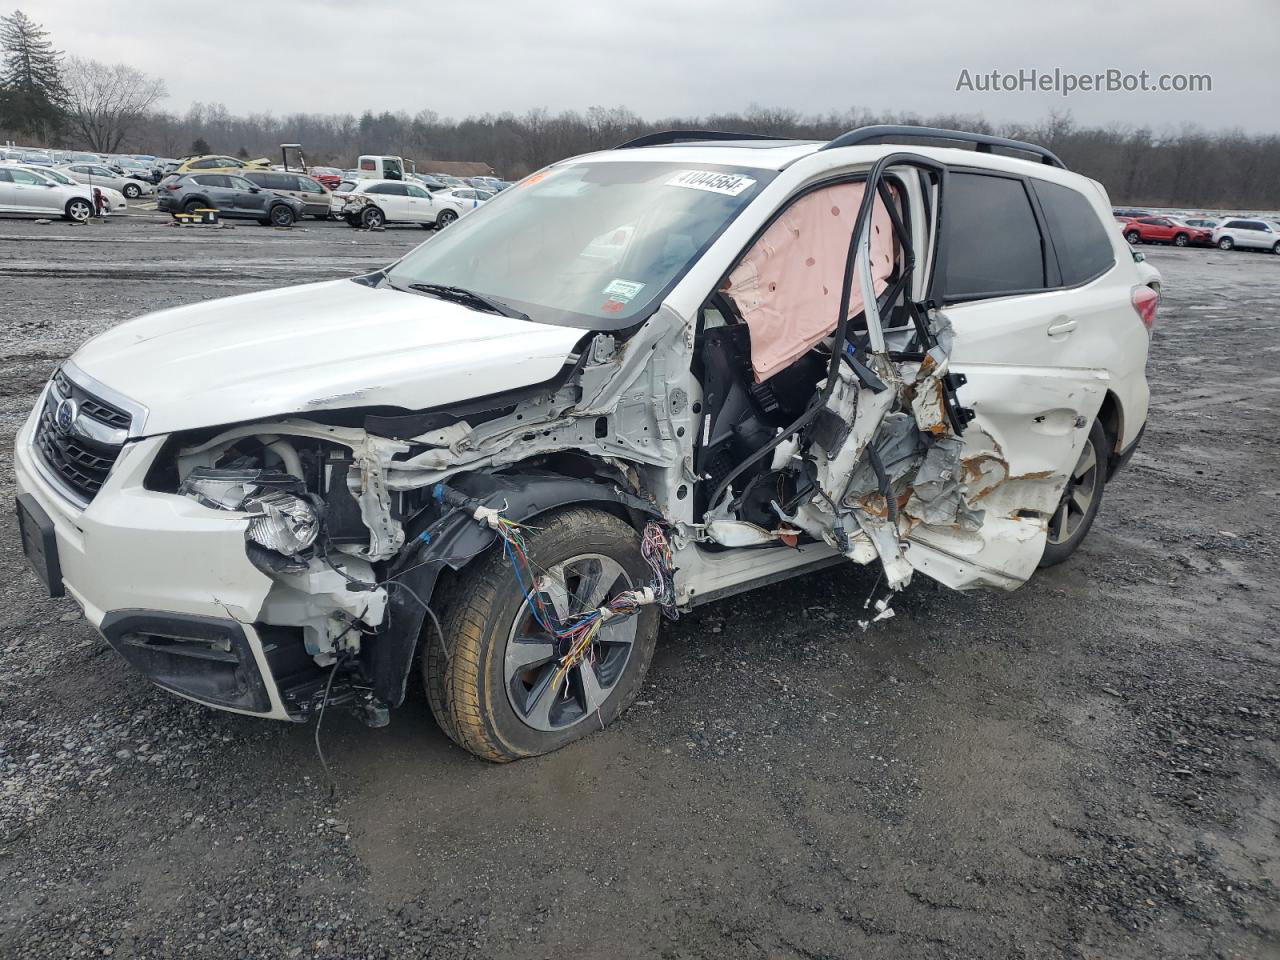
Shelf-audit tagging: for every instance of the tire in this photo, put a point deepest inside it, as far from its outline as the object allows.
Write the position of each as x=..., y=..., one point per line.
x=1134, y=237
x=1181, y=240
x=191, y=206
x=372, y=217
x=78, y=210
x=446, y=217
x=1226, y=243
x=474, y=689
x=132, y=191
x=1080, y=500
x=281, y=215
x=1276, y=248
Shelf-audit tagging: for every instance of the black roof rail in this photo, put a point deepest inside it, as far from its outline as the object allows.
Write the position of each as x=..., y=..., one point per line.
x=677, y=136
x=894, y=133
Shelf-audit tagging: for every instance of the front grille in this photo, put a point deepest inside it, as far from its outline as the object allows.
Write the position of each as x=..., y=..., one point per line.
x=80, y=461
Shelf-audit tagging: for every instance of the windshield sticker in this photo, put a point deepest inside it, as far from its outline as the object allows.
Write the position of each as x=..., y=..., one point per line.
x=729, y=184
x=624, y=290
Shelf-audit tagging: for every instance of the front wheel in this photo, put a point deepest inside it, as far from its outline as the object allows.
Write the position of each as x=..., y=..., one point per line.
x=78, y=210
x=1080, y=500
x=1181, y=240
x=132, y=191
x=504, y=686
x=281, y=216
x=1226, y=243
x=1276, y=248
x=1134, y=237
x=446, y=217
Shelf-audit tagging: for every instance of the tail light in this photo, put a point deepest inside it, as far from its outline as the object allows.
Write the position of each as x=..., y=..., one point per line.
x=1145, y=301
x=176, y=185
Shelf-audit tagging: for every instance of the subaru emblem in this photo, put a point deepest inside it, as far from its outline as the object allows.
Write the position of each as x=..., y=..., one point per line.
x=65, y=414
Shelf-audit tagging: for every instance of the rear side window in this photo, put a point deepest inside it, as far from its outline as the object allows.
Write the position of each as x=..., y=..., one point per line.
x=388, y=189
x=992, y=241
x=212, y=180
x=1081, y=242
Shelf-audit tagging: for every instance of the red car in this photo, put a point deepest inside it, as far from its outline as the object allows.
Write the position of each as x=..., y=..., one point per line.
x=329, y=176
x=1166, y=230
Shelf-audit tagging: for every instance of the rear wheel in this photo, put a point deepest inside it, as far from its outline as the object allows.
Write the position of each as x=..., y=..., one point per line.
x=1133, y=236
x=1276, y=248
x=191, y=206
x=78, y=210
x=504, y=689
x=1081, y=498
x=372, y=217
x=1226, y=243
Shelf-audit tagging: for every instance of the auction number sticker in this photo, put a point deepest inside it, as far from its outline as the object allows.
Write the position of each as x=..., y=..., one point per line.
x=728, y=184
x=624, y=290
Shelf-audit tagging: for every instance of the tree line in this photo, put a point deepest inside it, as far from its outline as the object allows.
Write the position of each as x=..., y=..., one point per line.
x=49, y=99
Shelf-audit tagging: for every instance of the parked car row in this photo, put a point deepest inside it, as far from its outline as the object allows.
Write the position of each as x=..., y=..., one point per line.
x=1225, y=233
x=48, y=192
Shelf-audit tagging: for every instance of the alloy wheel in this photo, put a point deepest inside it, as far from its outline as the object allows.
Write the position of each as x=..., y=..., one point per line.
x=1077, y=496
x=546, y=690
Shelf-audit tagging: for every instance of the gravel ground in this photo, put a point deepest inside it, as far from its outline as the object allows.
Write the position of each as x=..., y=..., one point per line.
x=1086, y=768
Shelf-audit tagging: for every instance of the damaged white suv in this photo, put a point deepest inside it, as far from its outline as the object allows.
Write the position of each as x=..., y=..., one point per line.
x=637, y=381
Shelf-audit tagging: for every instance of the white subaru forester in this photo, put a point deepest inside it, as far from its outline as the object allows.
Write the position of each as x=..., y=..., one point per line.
x=637, y=381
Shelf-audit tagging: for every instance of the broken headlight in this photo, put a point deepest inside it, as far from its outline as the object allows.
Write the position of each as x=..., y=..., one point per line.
x=282, y=519
x=284, y=523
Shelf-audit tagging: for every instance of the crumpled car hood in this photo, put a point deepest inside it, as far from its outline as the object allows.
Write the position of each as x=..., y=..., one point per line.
x=320, y=346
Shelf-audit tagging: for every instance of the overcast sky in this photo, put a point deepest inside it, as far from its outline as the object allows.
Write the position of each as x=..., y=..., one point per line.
x=679, y=57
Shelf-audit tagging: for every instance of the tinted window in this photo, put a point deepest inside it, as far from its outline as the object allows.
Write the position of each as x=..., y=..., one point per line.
x=4, y=177
x=346, y=186
x=991, y=238
x=1254, y=225
x=390, y=189
x=307, y=185
x=1080, y=240
x=415, y=191
x=212, y=180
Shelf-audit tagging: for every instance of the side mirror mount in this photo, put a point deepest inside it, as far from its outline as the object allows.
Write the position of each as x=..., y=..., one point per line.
x=255, y=189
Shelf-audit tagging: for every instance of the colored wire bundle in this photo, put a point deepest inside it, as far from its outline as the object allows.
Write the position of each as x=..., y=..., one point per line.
x=577, y=635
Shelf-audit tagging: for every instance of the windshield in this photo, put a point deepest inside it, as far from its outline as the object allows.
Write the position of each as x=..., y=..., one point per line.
x=591, y=245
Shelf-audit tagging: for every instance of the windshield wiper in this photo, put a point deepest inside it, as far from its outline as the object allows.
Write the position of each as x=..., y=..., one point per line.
x=469, y=298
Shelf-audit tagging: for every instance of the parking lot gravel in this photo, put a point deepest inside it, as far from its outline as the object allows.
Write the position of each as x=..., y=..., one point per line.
x=1086, y=768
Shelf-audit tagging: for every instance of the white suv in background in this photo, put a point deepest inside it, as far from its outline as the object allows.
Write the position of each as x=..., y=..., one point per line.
x=374, y=203
x=636, y=381
x=1247, y=233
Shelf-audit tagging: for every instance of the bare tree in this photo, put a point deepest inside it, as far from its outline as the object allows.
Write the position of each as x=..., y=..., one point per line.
x=105, y=102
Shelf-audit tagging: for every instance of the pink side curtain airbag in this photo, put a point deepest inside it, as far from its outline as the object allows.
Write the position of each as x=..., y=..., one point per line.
x=788, y=286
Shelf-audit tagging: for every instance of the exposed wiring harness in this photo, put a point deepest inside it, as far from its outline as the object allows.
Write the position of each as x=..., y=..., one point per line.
x=574, y=636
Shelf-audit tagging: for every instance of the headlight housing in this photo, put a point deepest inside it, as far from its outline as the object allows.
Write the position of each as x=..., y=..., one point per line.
x=282, y=519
